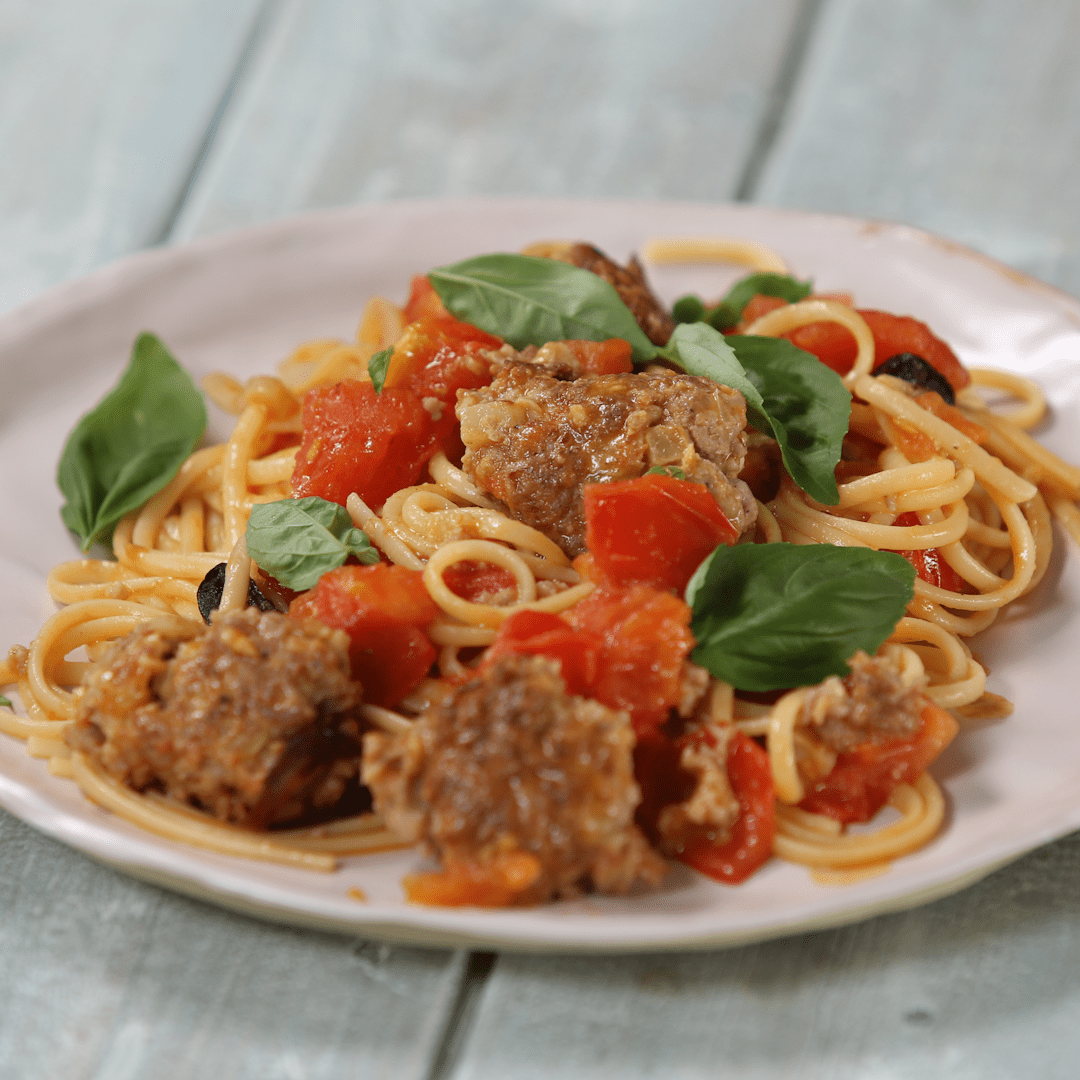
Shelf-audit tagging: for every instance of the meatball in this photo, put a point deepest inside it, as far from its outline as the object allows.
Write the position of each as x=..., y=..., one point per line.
x=510, y=762
x=628, y=281
x=250, y=719
x=877, y=702
x=532, y=440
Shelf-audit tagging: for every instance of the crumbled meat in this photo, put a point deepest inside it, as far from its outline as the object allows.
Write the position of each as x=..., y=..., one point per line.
x=250, y=719
x=711, y=808
x=628, y=281
x=877, y=702
x=509, y=761
x=533, y=440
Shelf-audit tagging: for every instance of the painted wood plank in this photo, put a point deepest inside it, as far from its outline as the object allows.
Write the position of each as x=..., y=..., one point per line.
x=562, y=97
x=105, y=978
x=103, y=108
x=959, y=116
x=979, y=986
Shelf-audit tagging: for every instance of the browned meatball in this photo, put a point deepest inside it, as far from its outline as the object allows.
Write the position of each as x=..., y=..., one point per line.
x=249, y=719
x=875, y=703
x=510, y=762
x=532, y=440
x=628, y=281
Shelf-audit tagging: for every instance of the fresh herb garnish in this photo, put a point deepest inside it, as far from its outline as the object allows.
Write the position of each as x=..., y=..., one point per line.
x=527, y=300
x=729, y=310
x=130, y=446
x=790, y=395
x=775, y=616
x=807, y=405
x=667, y=470
x=6, y=703
x=296, y=541
x=378, y=366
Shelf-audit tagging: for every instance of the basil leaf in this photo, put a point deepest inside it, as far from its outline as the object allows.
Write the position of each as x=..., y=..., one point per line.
x=527, y=300
x=130, y=446
x=729, y=310
x=790, y=395
x=774, y=616
x=378, y=366
x=808, y=406
x=668, y=470
x=297, y=540
x=6, y=702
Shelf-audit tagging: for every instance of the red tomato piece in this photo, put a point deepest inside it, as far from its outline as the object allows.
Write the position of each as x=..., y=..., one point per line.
x=611, y=357
x=645, y=636
x=929, y=564
x=539, y=633
x=758, y=305
x=477, y=582
x=424, y=302
x=357, y=440
x=862, y=780
x=752, y=834
x=655, y=529
x=384, y=609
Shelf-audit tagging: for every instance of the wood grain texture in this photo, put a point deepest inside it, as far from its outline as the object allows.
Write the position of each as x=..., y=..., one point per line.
x=102, y=977
x=960, y=116
x=103, y=107
x=980, y=986
x=351, y=102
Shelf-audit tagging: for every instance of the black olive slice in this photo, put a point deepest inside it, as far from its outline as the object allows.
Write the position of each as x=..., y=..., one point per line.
x=919, y=372
x=213, y=585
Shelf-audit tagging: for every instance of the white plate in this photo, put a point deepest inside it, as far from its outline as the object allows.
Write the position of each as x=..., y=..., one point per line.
x=239, y=302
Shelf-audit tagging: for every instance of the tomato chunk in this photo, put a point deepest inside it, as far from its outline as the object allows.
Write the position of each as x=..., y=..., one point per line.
x=862, y=779
x=752, y=834
x=477, y=582
x=611, y=357
x=497, y=882
x=645, y=635
x=663, y=781
x=357, y=440
x=384, y=609
x=655, y=529
x=929, y=564
x=538, y=633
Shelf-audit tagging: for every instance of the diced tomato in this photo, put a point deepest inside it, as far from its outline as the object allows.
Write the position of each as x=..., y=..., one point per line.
x=933, y=402
x=646, y=637
x=835, y=346
x=752, y=834
x=538, y=633
x=929, y=564
x=498, y=882
x=655, y=529
x=357, y=440
x=611, y=357
x=477, y=582
x=424, y=302
x=758, y=305
x=862, y=779
x=384, y=609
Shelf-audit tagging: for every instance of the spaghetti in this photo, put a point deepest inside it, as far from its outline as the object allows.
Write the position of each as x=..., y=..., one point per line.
x=967, y=484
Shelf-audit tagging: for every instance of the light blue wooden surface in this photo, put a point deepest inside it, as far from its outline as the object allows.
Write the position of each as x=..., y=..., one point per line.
x=956, y=115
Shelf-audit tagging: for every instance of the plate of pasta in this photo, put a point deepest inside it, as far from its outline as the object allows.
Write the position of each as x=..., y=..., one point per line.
x=545, y=574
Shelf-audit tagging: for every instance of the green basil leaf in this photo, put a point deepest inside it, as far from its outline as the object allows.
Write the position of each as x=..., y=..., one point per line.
x=790, y=395
x=6, y=702
x=667, y=470
x=774, y=616
x=729, y=310
x=527, y=300
x=782, y=286
x=297, y=540
x=130, y=446
x=378, y=366
x=808, y=407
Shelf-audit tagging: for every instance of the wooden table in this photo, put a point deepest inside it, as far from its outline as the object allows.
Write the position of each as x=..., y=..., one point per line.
x=130, y=123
